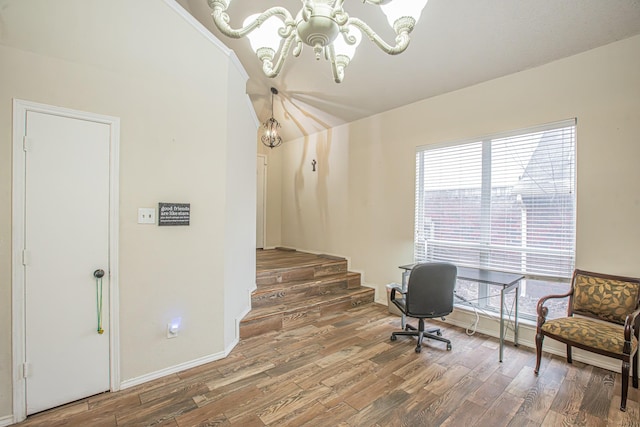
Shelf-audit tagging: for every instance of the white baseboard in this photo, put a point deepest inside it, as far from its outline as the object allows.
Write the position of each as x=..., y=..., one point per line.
x=186, y=365
x=6, y=421
x=174, y=369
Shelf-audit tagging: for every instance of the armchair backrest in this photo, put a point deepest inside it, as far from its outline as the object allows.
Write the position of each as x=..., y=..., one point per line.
x=604, y=296
x=430, y=289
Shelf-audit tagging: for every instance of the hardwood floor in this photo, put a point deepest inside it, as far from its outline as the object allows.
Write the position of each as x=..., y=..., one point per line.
x=342, y=370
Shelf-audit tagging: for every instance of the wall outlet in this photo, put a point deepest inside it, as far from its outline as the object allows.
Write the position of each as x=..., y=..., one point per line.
x=172, y=330
x=173, y=327
x=146, y=216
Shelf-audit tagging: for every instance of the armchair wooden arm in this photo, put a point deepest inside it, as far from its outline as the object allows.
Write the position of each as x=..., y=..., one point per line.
x=631, y=329
x=542, y=310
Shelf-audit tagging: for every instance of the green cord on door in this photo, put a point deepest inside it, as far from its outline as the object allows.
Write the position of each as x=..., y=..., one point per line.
x=98, y=274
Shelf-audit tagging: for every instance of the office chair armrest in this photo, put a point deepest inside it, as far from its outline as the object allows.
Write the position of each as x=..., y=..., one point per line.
x=395, y=287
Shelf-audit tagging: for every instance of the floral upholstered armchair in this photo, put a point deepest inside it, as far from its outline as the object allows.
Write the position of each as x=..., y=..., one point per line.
x=603, y=317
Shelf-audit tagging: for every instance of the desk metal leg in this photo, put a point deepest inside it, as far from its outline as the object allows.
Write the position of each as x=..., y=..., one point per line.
x=501, y=323
x=515, y=287
x=516, y=324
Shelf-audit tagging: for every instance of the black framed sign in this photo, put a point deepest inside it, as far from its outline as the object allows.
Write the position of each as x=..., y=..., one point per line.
x=174, y=213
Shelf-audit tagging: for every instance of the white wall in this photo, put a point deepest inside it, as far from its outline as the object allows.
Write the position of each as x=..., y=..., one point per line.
x=360, y=203
x=240, y=208
x=178, y=97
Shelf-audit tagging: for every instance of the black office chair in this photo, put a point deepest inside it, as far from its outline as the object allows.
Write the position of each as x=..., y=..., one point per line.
x=429, y=295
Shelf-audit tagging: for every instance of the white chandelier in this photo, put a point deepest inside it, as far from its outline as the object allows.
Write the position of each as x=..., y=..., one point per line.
x=322, y=24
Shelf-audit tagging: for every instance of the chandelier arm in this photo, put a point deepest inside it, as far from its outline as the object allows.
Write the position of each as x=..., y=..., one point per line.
x=298, y=47
x=402, y=37
x=337, y=64
x=307, y=10
x=267, y=62
x=338, y=13
x=221, y=19
x=376, y=2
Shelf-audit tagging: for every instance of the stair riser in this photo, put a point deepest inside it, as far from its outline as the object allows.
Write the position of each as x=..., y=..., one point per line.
x=354, y=280
x=271, y=277
x=332, y=268
x=285, y=296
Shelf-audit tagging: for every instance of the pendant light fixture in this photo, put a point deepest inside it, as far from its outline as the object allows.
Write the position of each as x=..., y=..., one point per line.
x=270, y=138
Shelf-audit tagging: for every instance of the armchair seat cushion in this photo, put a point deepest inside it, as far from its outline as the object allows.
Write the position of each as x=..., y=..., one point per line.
x=608, y=337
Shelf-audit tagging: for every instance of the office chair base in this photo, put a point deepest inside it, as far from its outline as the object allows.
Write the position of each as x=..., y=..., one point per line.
x=433, y=333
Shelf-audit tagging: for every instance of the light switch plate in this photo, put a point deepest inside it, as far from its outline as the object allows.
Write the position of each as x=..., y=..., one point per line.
x=146, y=216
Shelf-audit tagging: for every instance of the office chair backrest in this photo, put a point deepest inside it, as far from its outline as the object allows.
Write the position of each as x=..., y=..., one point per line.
x=430, y=289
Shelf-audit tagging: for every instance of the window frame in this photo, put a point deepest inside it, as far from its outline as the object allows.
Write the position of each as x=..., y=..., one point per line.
x=485, y=245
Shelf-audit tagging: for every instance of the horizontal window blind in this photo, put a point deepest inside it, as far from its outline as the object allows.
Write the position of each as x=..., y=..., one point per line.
x=505, y=202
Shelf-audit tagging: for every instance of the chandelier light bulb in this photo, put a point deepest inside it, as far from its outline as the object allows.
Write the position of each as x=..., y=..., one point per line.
x=266, y=35
x=398, y=9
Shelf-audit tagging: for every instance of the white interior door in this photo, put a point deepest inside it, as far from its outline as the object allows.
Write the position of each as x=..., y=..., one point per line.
x=66, y=239
x=260, y=205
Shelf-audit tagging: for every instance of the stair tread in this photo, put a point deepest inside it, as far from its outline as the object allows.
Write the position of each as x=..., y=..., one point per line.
x=295, y=260
x=305, y=303
x=310, y=263
x=295, y=284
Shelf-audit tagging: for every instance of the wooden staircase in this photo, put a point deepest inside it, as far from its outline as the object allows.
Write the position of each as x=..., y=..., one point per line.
x=295, y=288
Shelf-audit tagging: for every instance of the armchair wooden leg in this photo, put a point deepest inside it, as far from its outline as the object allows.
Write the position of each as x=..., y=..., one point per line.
x=625, y=385
x=539, y=338
x=635, y=370
x=569, y=358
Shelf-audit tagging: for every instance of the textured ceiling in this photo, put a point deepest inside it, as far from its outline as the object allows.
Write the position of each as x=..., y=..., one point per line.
x=456, y=43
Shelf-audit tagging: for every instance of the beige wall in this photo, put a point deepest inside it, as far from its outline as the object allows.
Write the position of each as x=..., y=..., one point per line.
x=360, y=202
x=273, y=196
x=240, y=207
x=179, y=100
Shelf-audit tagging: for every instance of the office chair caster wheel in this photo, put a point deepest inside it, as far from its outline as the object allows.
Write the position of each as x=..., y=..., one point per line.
x=393, y=338
x=438, y=333
x=448, y=347
x=418, y=349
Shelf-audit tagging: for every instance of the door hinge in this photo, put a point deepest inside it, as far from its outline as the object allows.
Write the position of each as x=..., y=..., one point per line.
x=26, y=257
x=26, y=143
x=26, y=370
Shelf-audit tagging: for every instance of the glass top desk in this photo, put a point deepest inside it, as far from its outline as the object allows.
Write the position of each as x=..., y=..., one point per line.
x=509, y=282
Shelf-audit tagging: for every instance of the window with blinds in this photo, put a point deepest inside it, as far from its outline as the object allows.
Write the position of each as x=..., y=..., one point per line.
x=505, y=202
